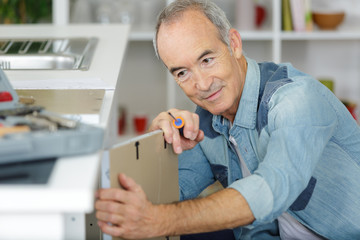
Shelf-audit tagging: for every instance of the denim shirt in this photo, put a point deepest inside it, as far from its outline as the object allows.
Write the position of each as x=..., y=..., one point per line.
x=301, y=146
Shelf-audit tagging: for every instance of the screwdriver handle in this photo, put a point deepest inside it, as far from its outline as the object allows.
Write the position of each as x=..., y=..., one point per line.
x=178, y=123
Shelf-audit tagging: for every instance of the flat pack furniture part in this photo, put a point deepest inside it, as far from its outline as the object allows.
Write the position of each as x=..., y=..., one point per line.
x=152, y=163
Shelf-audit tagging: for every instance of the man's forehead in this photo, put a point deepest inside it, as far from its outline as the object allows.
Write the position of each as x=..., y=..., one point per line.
x=186, y=31
x=190, y=20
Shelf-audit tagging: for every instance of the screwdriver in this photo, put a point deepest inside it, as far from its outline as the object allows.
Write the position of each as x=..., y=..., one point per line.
x=178, y=123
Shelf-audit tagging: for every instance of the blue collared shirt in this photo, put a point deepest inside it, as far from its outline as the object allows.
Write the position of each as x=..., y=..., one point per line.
x=300, y=144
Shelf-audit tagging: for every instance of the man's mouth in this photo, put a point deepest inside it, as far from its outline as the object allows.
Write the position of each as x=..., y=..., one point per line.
x=214, y=95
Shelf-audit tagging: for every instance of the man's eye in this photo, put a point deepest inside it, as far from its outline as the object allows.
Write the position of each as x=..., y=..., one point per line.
x=208, y=60
x=181, y=74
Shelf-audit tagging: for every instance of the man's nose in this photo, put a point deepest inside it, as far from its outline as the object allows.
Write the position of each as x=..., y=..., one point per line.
x=202, y=80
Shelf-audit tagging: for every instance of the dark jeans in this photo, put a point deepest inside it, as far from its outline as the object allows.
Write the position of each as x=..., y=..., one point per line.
x=219, y=235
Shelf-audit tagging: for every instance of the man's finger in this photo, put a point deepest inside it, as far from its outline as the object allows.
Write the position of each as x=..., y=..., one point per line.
x=115, y=231
x=109, y=206
x=200, y=136
x=128, y=183
x=163, y=122
x=191, y=127
x=113, y=194
x=109, y=217
x=166, y=126
x=176, y=141
x=168, y=130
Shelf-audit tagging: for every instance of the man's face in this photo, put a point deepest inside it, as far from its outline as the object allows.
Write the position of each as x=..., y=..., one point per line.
x=201, y=63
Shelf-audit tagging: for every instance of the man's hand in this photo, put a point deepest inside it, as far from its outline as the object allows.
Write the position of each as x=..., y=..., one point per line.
x=192, y=133
x=126, y=212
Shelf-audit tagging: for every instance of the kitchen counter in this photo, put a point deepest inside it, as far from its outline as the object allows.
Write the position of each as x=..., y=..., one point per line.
x=56, y=210
x=105, y=64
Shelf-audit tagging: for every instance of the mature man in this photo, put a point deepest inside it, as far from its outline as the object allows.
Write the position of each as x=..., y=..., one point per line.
x=283, y=146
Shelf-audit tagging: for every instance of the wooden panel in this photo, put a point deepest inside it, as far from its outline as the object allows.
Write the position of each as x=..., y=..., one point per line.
x=151, y=163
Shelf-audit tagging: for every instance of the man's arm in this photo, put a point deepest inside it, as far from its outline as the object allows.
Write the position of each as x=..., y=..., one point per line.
x=225, y=209
x=133, y=216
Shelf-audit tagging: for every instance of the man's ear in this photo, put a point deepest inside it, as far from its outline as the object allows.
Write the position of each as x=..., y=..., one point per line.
x=235, y=43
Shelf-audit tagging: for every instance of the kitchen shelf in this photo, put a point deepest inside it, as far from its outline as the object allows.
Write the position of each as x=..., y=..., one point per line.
x=270, y=36
x=147, y=35
x=321, y=35
x=259, y=35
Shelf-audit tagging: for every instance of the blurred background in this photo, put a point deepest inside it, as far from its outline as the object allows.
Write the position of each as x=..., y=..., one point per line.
x=272, y=30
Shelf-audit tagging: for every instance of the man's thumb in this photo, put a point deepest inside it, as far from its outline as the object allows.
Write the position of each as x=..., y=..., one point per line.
x=126, y=182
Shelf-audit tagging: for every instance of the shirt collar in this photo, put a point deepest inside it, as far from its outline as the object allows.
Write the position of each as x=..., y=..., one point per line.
x=247, y=109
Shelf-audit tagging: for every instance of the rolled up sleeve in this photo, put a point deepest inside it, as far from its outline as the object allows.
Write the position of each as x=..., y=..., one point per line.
x=258, y=195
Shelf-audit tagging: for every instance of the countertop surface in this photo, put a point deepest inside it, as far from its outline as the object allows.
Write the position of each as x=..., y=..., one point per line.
x=105, y=64
x=70, y=188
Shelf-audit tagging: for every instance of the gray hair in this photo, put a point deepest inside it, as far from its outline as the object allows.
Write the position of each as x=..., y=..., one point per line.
x=174, y=11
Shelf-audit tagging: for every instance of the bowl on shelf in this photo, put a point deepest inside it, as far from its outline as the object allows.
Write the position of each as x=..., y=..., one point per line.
x=328, y=20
